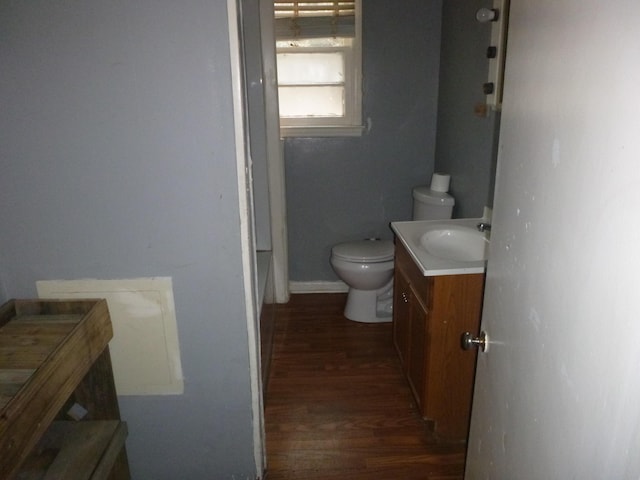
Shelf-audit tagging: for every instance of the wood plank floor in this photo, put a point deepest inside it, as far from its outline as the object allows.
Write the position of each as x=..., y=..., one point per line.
x=337, y=405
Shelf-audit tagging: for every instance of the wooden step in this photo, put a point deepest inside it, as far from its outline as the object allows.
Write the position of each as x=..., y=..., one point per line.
x=85, y=450
x=47, y=347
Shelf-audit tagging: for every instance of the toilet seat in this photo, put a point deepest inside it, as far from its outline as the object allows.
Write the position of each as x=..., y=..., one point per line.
x=364, y=251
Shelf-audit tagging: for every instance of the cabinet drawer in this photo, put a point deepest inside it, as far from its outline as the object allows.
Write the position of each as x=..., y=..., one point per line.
x=422, y=286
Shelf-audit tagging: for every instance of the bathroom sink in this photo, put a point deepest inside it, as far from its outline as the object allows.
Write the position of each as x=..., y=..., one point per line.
x=456, y=242
x=445, y=247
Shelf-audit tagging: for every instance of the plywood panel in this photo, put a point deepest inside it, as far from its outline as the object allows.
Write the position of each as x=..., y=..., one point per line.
x=145, y=350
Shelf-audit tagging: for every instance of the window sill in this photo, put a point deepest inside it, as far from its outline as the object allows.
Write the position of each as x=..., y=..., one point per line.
x=322, y=131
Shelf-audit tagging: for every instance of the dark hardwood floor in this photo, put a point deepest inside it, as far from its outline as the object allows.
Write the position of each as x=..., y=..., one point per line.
x=338, y=406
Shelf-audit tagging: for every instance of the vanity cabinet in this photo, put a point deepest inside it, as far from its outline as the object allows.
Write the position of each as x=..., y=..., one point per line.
x=429, y=316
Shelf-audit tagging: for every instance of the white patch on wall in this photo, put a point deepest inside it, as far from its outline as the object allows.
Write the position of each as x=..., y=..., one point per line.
x=145, y=351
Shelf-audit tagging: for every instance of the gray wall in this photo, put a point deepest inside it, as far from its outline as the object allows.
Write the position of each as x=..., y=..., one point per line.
x=466, y=143
x=342, y=189
x=118, y=161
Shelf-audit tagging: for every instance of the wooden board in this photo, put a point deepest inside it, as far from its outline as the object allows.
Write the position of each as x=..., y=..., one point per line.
x=46, y=349
x=75, y=450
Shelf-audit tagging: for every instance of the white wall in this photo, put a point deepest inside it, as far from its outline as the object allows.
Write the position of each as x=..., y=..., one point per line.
x=118, y=161
x=558, y=394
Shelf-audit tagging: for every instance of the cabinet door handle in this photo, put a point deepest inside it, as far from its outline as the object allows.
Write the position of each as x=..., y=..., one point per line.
x=404, y=298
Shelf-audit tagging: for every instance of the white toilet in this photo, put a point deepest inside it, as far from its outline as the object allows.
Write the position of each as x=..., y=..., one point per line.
x=367, y=266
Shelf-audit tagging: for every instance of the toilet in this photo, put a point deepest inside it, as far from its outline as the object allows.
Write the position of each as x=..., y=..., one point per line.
x=366, y=266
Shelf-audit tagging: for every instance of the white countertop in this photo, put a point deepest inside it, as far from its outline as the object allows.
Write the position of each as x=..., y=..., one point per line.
x=409, y=234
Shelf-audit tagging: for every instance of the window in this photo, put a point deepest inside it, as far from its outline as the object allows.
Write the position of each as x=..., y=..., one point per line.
x=318, y=47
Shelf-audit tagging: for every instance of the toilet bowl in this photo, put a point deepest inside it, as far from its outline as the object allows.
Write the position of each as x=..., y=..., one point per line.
x=367, y=268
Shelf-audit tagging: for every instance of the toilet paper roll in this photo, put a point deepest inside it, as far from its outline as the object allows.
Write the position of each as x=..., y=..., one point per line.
x=440, y=182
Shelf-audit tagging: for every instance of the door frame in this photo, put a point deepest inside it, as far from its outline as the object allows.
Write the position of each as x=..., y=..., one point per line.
x=275, y=157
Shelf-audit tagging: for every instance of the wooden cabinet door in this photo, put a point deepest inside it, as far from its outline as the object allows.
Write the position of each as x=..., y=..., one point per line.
x=416, y=373
x=401, y=317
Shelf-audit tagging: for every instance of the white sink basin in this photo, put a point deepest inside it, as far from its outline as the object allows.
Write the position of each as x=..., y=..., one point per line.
x=456, y=242
x=445, y=247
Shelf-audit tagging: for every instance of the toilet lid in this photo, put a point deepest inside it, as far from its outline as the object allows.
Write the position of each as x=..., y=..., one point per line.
x=364, y=251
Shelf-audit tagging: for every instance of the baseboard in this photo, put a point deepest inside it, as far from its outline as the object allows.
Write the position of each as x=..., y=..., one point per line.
x=318, y=287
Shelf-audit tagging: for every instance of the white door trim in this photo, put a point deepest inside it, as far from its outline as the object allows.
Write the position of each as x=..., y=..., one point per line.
x=247, y=237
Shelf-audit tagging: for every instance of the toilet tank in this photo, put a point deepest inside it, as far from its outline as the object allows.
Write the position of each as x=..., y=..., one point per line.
x=431, y=205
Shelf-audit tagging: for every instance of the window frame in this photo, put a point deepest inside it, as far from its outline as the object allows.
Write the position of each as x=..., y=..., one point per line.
x=351, y=123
